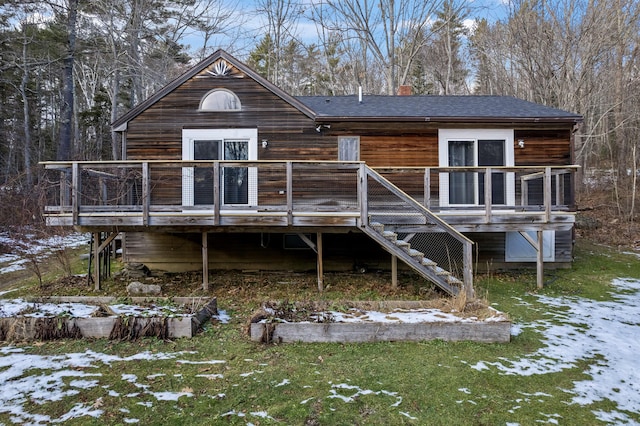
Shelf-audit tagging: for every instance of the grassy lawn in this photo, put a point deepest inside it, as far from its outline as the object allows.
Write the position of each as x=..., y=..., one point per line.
x=220, y=377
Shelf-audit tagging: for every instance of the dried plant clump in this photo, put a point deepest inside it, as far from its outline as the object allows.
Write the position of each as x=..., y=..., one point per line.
x=133, y=328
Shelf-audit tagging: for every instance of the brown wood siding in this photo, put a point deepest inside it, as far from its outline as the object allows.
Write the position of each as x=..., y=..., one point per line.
x=543, y=147
x=182, y=252
x=400, y=151
x=342, y=252
x=157, y=132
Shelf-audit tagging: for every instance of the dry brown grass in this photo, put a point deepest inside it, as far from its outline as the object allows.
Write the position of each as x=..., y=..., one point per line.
x=249, y=291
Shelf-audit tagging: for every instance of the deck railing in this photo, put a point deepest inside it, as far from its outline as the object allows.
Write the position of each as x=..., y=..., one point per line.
x=148, y=193
x=489, y=191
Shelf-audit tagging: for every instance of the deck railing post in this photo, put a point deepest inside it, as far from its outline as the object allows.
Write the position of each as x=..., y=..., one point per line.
x=559, y=189
x=363, y=196
x=216, y=193
x=427, y=187
x=75, y=192
x=289, y=167
x=487, y=195
x=547, y=194
x=146, y=193
x=524, y=198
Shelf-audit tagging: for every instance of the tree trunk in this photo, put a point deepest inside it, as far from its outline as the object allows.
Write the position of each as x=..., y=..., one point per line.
x=26, y=114
x=66, y=124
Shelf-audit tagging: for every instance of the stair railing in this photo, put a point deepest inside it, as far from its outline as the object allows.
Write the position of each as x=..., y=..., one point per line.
x=383, y=202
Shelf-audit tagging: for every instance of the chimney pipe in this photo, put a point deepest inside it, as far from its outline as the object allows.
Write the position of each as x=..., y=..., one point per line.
x=405, y=90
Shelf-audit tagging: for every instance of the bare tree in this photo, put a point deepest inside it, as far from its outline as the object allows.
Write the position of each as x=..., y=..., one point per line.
x=388, y=31
x=281, y=21
x=66, y=124
x=580, y=56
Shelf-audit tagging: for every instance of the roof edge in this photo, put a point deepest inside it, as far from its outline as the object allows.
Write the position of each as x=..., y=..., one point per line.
x=477, y=119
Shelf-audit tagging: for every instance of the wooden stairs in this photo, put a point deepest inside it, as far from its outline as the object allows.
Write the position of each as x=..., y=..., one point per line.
x=415, y=259
x=415, y=235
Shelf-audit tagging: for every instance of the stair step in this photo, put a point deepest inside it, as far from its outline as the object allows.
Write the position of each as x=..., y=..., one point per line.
x=390, y=235
x=428, y=262
x=453, y=280
x=415, y=253
x=403, y=245
x=377, y=226
x=442, y=272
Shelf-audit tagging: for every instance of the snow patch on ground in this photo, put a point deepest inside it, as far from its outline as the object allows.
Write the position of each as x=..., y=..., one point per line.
x=581, y=329
x=406, y=316
x=36, y=247
x=20, y=307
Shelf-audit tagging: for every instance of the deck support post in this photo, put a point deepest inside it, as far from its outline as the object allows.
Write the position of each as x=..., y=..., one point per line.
x=538, y=245
x=467, y=273
x=205, y=261
x=540, y=260
x=320, y=265
x=96, y=260
x=394, y=271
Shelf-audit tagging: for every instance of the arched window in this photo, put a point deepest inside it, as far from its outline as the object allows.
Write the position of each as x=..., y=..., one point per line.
x=220, y=100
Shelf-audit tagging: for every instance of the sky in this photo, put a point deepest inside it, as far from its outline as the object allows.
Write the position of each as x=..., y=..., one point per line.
x=306, y=31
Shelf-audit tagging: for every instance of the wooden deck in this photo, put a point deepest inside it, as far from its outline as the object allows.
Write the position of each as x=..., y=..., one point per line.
x=405, y=210
x=148, y=195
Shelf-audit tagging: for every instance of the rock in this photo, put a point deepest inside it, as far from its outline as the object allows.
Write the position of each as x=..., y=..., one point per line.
x=135, y=270
x=136, y=287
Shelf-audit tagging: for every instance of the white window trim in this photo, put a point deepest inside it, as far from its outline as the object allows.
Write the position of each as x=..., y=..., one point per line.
x=357, y=138
x=189, y=135
x=446, y=135
x=211, y=92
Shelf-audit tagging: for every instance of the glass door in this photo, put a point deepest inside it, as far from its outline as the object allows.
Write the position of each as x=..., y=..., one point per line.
x=491, y=153
x=467, y=188
x=203, y=176
x=238, y=185
x=235, y=183
x=235, y=180
x=462, y=185
x=476, y=148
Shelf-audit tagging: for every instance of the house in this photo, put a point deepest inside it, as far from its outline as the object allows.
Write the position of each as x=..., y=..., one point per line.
x=223, y=170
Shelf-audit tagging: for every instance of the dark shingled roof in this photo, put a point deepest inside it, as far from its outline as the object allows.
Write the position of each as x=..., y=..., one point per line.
x=433, y=108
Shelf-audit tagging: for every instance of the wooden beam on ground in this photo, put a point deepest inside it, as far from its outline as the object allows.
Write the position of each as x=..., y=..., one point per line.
x=320, y=265
x=394, y=271
x=205, y=262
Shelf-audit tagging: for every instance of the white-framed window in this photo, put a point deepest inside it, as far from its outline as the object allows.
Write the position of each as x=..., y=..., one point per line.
x=518, y=249
x=349, y=148
x=238, y=185
x=475, y=148
x=220, y=100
